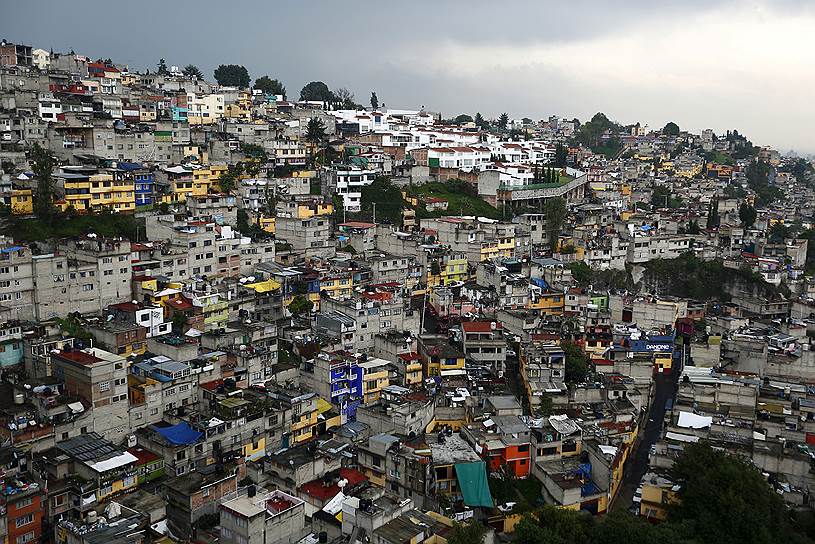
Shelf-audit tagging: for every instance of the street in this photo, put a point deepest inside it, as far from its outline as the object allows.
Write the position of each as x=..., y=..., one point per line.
x=665, y=387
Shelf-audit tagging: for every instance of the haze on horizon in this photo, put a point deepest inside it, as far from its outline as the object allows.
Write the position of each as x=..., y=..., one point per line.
x=718, y=64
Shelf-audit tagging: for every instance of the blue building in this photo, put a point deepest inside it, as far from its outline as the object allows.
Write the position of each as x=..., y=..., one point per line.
x=143, y=181
x=337, y=378
x=11, y=344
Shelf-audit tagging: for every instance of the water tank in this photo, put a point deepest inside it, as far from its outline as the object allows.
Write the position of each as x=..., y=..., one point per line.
x=252, y=491
x=90, y=517
x=19, y=398
x=323, y=537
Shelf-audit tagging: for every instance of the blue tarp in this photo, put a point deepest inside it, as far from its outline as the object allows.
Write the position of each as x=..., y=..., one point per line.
x=472, y=479
x=540, y=282
x=180, y=435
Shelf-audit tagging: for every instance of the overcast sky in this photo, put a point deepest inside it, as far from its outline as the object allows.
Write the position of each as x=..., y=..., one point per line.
x=744, y=64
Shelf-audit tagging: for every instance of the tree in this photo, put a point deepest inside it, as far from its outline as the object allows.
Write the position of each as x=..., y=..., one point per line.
x=671, y=129
x=374, y=101
x=726, y=499
x=162, y=67
x=554, y=212
x=179, y=323
x=435, y=268
x=779, y=232
x=192, y=71
x=229, y=179
x=315, y=130
x=503, y=121
x=693, y=227
x=462, y=119
x=43, y=168
x=300, y=305
x=270, y=86
x=577, y=363
x=479, y=120
x=581, y=273
x=713, y=214
x=467, y=533
x=345, y=98
x=561, y=155
x=232, y=75
x=747, y=215
x=316, y=91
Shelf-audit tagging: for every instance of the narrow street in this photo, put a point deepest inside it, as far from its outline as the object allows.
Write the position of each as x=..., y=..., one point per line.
x=665, y=388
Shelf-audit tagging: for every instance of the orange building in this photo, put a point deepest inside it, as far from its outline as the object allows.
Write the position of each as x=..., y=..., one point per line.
x=503, y=442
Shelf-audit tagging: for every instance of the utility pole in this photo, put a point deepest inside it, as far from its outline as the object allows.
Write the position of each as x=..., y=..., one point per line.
x=374, y=212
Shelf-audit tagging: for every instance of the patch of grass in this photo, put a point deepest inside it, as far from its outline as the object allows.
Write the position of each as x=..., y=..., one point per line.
x=71, y=226
x=460, y=200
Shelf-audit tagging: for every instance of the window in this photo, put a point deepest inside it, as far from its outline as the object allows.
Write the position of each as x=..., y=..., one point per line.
x=24, y=520
x=104, y=386
x=28, y=537
x=24, y=502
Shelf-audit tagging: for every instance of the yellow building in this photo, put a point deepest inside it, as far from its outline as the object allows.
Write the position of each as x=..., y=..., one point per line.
x=338, y=286
x=254, y=450
x=267, y=224
x=547, y=303
x=375, y=377
x=95, y=192
x=451, y=270
x=205, y=180
x=22, y=202
x=305, y=417
x=439, y=358
x=658, y=494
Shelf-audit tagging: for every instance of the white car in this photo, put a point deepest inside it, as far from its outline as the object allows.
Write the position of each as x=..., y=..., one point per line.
x=511, y=353
x=507, y=506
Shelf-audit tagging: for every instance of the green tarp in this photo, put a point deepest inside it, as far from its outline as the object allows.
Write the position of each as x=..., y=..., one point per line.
x=472, y=479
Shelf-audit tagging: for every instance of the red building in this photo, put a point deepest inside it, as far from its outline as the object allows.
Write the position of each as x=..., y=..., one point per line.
x=24, y=512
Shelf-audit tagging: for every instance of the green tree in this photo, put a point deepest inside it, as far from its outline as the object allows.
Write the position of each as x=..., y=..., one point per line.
x=581, y=273
x=693, y=227
x=270, y=86
x=435, y=268
x=779, y=232
x=726, y=499
x=300, y=305
x=315, y=130
x=671, y=129
x=463, y=119
x=599, y=135
x=179, y=322
x=713, y=214
x=254, y=151
x=162, y=67
x=232, y=75
x=192, y=71
x=43, y=168
x=316, y=91
x=747, y=215
x=229, y=179
x=467, y=533
x=503, y=121
x=346, y=99
x=374, y=101
x=479, y=120
x=578, y=363
x=561, y=155
x=554, y=212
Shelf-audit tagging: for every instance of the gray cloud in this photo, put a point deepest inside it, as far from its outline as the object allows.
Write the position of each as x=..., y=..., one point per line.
x=635, y=60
